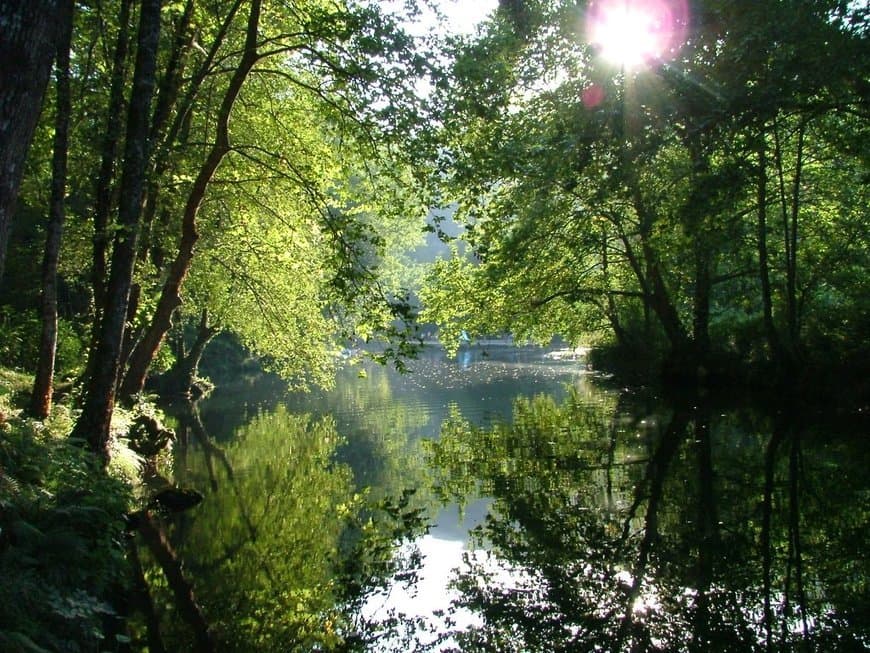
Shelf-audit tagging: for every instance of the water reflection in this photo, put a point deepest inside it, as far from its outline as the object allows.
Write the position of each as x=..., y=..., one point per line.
x=546, y=513
x=693, y=535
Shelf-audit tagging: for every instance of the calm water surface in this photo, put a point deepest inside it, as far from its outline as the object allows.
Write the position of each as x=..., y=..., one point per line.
x=507, y=501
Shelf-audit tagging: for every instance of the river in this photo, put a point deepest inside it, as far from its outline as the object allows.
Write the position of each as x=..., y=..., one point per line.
x=512, y=500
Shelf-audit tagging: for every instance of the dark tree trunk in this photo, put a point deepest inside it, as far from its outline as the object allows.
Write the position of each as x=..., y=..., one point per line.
x=652, y=280
x=180, y=378
x=167, y=96
x=701, y=305
x=170, y=296
x=28, y=34
x=763, y=264
x=103, y=192
x=99, y=403
x=105, y=176
x=40, y=402
x=789, y=209
x=183, y=591
x=792, y=234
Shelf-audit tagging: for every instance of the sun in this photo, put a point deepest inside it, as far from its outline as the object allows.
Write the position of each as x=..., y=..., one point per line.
x=634, y=33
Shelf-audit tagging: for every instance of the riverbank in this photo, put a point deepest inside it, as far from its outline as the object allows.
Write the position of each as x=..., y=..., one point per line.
x=62, y=531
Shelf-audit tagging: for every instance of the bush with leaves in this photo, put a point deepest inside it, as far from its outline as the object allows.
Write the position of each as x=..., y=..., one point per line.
x=61, y=538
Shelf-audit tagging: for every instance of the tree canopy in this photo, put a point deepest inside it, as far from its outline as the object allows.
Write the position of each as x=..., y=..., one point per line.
x=704, y=204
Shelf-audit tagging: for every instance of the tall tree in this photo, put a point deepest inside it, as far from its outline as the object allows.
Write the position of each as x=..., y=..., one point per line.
x=585, y=186
x=40, y=403
x=170, y=299
x=94, y=423
x=28, y=32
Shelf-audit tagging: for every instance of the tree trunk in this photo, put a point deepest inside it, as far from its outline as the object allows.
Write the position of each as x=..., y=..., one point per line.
x=792, y=232
x=789, y=209
x=763, y=264
x=28, y=33
x=701, y=304
x=653, y=282
x=180, y=378
x=40, y=401
x=103, y=189
x=99, y=402
x=170, y=296
x=103, y=192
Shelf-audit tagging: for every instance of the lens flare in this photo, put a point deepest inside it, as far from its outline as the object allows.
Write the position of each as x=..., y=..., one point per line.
x=634, y=33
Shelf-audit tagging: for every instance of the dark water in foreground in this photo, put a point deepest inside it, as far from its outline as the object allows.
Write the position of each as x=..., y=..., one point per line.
x=513, y=502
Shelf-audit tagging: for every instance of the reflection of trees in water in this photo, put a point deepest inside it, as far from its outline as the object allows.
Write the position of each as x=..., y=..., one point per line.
x=610, y=532
x=283, y=542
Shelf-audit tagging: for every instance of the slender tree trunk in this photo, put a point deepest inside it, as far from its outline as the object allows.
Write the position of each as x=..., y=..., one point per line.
x=789, y=208
x=103, y=191
x=43, y=384
x=701, y=304
x=28, y=33
x=763, y=264
x=791, y=277
x=170, y=296
x=167, y=96
x=94, y=422
x=105, y=176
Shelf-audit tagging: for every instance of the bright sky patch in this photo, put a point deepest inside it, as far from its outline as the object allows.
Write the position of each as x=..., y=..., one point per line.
x=635, y=33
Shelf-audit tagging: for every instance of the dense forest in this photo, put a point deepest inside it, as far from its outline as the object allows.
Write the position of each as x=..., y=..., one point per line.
x=685, y=191
x=704, y=211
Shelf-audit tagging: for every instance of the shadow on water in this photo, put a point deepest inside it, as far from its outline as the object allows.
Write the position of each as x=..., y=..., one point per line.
x=509, y=503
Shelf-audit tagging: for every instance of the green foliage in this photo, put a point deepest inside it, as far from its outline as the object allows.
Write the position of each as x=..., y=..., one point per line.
x=19, y=342
x=588, y=193
x=617, y=522
x=61, y=538
x=298, y=543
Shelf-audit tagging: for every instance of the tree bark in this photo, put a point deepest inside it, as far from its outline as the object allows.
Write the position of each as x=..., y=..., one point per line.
x=28, y=33
x=93, y=425
x=103, y=192
x=763, y=264
x=179, y=379
x=170, y=296
x=105, y=176
x=40, y=400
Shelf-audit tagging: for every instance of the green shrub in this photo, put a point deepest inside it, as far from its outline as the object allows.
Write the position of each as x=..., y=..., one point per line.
x=61, y=539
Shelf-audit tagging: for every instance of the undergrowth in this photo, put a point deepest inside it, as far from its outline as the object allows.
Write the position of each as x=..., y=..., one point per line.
x=62, y=563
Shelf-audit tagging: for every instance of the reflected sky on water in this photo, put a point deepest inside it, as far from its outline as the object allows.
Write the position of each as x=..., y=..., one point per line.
x=542, y=511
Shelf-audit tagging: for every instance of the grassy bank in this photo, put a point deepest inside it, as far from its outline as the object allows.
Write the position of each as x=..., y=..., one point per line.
x=62, y=561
